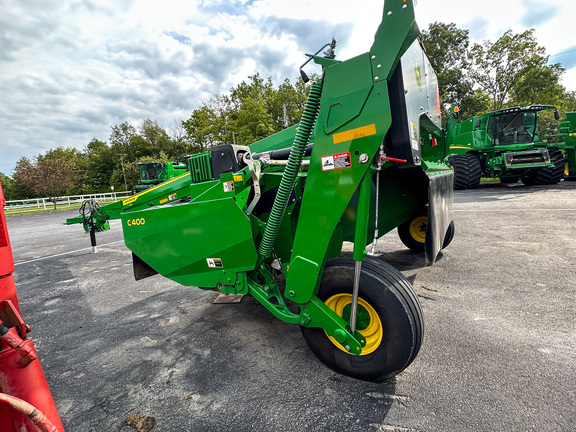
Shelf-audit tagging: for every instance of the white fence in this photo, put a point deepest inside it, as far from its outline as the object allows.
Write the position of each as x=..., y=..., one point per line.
x=34, y=204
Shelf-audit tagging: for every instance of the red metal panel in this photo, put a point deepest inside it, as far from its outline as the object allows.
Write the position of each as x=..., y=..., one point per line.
x=21, y=374
x=7, y=288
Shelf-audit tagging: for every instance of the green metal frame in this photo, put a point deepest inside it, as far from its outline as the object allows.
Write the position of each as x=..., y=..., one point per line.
x=237, y=233
x=565, y=140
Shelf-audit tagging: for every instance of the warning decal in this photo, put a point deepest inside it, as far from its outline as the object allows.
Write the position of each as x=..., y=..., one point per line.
x=214, y=262
x=337, y=161
x=228, y=186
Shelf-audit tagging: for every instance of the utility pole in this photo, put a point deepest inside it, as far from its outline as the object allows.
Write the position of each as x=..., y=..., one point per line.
x=123, y=173
x=285, y=116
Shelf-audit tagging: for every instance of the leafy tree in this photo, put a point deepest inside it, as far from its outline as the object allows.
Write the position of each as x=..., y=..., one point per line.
x=100, y=163
x=539, y=85
x=253, y=121
x=252, y=111
x=447, y=49
x=49, y=175
x=7, y=186
x=498, y=67
x=203, y=128
x=286, y=104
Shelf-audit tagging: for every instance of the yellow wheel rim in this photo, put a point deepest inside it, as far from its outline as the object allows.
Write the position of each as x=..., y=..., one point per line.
x=368, y=323
x=418, y=228
x=567, y=169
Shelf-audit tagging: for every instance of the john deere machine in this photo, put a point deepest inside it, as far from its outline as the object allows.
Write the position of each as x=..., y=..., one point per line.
x=565, y=139
x=153, y=173
x=269, y=220
x=504, y=144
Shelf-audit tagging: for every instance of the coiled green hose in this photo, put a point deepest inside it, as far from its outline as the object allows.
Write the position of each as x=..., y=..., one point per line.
x=301, y=140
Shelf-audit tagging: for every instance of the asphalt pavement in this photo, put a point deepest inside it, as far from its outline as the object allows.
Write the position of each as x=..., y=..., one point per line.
x=499, y=352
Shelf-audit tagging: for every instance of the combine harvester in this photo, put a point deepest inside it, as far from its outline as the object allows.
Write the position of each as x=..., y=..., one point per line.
x=502, y=144
x=351, y=170
x=154, y=173
x=565, y=139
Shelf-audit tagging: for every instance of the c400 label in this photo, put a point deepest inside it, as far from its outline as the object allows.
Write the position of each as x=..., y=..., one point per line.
x=133, y=222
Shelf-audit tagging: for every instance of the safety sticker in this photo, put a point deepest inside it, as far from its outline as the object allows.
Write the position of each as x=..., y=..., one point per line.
x=228, y=186
x=337, y=161
x=172, y=197
x=214, y=262
x=237, y=178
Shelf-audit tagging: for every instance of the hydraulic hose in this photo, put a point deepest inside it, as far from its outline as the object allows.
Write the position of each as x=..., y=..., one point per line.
x=37, y=417
x=301, y=140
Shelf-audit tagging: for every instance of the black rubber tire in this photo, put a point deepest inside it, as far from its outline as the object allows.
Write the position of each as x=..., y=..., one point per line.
x=529, y=180
x=552, y=175
x=392, y=297
x=508, y=180
x=405, y=234
x=415, y=244
x=449, y=235
x=467, y=171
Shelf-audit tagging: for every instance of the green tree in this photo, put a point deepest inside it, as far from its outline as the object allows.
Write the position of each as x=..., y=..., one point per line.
x=498, y=67
x=48, y=176
x=252, y=111
x=253, y=121
x=7, y=186
x=447, y=49
x=203, y=128
x=100, y=163
x=539, y=85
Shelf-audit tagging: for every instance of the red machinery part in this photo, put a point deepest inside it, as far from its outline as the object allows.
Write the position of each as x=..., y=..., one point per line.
x=36, y=417
x=21, y=376
x=7, y=287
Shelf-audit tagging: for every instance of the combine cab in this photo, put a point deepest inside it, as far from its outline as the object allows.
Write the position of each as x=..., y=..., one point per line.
x=270, y=219
x=502, y=144
x=153, y=173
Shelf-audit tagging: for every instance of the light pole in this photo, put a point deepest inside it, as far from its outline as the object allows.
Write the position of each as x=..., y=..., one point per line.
x=123, y=173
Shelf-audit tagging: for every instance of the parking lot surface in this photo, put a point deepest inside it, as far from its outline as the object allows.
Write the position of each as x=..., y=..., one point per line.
x=499, y=352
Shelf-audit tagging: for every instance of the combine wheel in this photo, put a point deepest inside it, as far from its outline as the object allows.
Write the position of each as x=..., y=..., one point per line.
x=509, y=179
x=567, y=175
x=449, y=235
x=529, y=180
x=552, y=175
x=389, y=317
x=413, y=232
x=467, y=171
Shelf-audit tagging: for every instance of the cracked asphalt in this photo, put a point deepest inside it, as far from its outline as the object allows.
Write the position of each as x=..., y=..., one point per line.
x=499, y=352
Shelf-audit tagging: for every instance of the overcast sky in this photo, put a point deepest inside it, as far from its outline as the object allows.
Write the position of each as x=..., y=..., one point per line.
x=70, y=69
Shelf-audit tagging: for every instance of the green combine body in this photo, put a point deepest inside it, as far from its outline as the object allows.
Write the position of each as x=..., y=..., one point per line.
x=502, y=144
x=565, y=140
x=269, y=220
x=153, y=173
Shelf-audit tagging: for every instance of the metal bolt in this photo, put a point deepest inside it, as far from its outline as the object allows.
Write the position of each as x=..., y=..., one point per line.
x=291, y=293
x=389, y=13
x=375, y=78
x=347, y=347
x=373, y=57
x=363, y=158
x=404, y=7
x=339, y=335
x=379, y=66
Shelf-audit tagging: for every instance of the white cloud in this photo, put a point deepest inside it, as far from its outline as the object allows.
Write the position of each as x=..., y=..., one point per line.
x=73, y=68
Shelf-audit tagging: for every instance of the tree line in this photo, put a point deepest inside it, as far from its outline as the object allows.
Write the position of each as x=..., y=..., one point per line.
x=513, y=71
